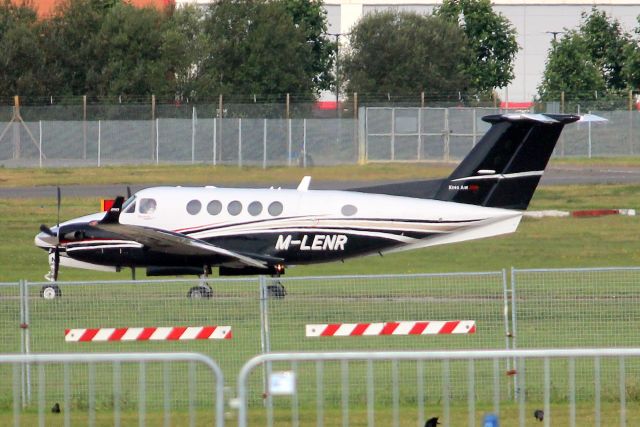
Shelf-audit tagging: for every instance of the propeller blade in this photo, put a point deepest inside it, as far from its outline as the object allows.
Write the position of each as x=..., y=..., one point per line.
x=47, y=230
x=56, y=263
x=59, y=203
x=128, y=192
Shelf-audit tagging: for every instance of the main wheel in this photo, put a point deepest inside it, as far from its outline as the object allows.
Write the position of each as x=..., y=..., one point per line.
x=50, y=292
x=199, y=292
x=277, y=291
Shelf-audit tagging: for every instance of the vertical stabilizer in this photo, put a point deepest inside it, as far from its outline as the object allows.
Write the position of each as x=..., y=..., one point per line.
x=505, y=167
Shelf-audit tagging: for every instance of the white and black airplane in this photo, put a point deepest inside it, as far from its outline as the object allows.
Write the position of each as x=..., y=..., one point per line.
x=190, y=230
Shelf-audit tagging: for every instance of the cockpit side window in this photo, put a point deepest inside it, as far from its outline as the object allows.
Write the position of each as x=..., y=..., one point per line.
x=147, y=206
x=130, y=205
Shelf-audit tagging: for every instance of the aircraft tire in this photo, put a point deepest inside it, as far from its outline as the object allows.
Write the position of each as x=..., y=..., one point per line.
x=199, y=292
x=50, y=292
x=277, y=291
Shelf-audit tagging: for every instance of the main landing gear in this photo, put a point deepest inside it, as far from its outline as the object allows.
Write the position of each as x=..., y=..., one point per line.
x=277, y=290
x=203, y=290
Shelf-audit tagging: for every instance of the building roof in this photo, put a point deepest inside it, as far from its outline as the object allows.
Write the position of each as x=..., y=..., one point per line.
x=46, y=7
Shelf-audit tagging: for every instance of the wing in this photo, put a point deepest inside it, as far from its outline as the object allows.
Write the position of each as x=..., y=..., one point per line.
x=170, y=242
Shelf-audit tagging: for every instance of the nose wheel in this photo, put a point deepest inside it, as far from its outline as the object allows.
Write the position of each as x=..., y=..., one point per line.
x=50, y=292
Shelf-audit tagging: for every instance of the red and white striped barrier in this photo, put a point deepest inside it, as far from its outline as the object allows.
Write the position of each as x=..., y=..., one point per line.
x=180, y=333
x=435, y=327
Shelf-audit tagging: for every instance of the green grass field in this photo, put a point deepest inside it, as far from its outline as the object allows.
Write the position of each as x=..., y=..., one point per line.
x=539, y=243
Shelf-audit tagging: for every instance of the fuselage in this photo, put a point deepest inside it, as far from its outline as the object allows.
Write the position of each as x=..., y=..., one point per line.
x=284, y=226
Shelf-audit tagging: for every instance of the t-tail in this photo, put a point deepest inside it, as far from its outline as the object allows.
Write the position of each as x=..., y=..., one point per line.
x=505, y=167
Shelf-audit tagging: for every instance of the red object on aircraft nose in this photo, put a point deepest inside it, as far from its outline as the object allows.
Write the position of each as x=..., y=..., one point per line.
x=106, y=204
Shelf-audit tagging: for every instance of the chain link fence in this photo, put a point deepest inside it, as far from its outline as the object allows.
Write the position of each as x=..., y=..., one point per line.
x=263, y=135
x=539, y=309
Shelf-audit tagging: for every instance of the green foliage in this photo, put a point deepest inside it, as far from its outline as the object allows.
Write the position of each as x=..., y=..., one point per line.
x=21, y=60
x=403, y=52
x=255, y=46
x=570, y=69
x=597, y=56
x=606, y=43
x=491, y=39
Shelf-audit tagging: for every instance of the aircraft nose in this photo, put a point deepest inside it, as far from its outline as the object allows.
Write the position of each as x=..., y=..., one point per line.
x=45, y=241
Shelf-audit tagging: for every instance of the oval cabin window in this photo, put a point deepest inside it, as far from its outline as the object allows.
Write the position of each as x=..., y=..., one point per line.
x=234, y=208
x=194, y=206
x=349, y=210
x=255, y=208
x=214, y=207
x=275, y=208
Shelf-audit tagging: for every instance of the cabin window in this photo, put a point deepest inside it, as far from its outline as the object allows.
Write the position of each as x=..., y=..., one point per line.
x=255, y=208
x=214, y=207
x=130, y=205
x=194, y=206
x=234, y=208
x=131, y=208
x=349, y=210
x=275, y=208
x=147, y=206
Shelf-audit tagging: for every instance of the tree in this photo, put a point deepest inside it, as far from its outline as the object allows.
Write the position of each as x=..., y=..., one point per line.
x=70, y=50
x=129, y=51
x=491, y=40
x=570, y=69
x=597, y=56
x=21, y=63
x=312, y=19
x=606, y=44
x=403, y=52
x=256, y=47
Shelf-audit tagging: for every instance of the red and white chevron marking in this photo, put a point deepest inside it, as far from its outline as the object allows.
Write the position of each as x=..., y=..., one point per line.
x=435, y=327
x=180, y=333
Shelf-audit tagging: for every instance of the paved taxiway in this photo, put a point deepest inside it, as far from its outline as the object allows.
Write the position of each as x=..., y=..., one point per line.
x=565, y=175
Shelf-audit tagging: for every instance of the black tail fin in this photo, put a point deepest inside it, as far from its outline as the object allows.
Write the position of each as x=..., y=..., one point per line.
x=504, y=168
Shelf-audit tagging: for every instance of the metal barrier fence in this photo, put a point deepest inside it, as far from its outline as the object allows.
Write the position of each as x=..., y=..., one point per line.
x=593, y=307
x=537, y=309
x=259, y=322
x=419, y=385
x=378, y=134
x=109, y=389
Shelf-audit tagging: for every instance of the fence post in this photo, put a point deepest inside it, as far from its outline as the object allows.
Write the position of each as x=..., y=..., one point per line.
x=362, y=136
x=264, y=144
x=240, y=142
x=157, y=141
x=214, y=141
x=194, y=119
x=84, y=127
x=446, y=133
x=265, y=343
x=289, y=142
x=40, y=143
x=27, y=337
x=393, y=133
x=99, y=141
x=304, y=143
x=220, y=115
x=154, y=128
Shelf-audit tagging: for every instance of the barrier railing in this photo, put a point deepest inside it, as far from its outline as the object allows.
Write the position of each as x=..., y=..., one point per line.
x=293, y=381
x=118, y=394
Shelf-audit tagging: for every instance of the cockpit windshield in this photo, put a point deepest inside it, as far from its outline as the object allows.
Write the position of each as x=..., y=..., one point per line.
x=130, y=205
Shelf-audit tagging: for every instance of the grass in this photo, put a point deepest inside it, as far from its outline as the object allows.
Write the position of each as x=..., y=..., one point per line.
x=539, y=243
x=222, y=175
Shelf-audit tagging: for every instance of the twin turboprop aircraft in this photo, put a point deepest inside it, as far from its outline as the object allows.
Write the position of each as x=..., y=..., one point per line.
x=190, y=230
